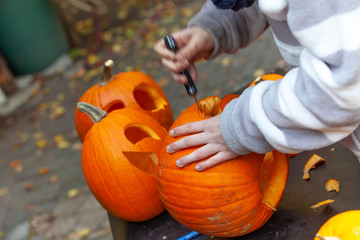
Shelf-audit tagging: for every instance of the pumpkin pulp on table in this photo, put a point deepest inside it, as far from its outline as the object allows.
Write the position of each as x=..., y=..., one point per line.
x=233, y=198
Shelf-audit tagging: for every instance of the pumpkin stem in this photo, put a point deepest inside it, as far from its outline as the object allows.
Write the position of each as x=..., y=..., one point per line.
x=95, y=113
x=106, y=76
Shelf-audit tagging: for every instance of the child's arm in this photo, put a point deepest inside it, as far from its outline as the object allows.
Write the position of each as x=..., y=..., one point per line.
x=230, y=29
x=318, y=102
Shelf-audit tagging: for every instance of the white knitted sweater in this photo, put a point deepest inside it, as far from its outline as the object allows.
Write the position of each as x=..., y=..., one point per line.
x=317, y=103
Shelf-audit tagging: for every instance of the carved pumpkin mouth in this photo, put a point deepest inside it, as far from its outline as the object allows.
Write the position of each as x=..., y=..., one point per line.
x=210, y=106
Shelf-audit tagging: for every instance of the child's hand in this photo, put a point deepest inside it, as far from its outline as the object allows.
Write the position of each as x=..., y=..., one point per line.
x=194, y=44
x=207, y=133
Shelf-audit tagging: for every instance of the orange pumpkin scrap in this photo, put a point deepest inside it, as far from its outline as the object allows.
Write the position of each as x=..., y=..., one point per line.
x=125, y=90
x=310, y=164
x=233, y=198
x=343, y=226
x=332, y=185
x=119, y=161
x=322, y=203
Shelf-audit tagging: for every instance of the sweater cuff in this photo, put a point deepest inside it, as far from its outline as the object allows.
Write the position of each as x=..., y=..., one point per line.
x=228, y=132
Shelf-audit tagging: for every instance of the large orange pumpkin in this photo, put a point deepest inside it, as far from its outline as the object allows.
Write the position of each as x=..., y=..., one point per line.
x=342, y=226
x=125, y=90
x=233, y=198
x=119, y=157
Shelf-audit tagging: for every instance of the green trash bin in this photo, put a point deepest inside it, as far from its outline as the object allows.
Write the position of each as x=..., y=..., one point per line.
x=31, y=35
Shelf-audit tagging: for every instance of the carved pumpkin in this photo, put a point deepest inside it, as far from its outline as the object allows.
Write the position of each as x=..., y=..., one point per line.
x=125, y=90
x=343, y=226
x=119, y=156
x=233, y=198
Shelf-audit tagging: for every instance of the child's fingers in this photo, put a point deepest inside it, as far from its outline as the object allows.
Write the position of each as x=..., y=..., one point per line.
x=198, y=154
x=187, y=142
x=215, y=160
x=187, y=129
x=161, y=50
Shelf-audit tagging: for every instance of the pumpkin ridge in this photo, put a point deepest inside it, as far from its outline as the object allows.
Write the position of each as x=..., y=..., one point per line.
x=217, y=206
x=260, y=212
x=116, y=201
x=203, y=187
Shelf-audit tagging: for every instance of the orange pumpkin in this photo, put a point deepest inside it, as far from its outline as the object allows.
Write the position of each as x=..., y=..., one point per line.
x=230, y=199
x=266, y=77
x=119, y=161
x=343, y=226
x=125, y=90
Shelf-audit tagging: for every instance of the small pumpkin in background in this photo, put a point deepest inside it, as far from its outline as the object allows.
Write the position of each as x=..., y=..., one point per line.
x=343, y=226
x=119, y=161
x=124, y=90
x=230, y=199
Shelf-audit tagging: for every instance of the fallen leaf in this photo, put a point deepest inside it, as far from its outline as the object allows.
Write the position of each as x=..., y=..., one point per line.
x=258, y=73
x=2, y=191
x=60, y=97
x=38, y=135
x=225, y=61
x=77, y=146
x=41, y=143
x=84, y=232
x=73, y=193
x=43, y=170
x=29, y=186
x=319, y=204
x=332, y=185
x=57, y=112
x=53, y=179
x=16, y=165
x=16, y=147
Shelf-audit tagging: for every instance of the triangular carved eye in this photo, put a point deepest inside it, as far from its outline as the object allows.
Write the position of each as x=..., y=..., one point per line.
x=146, y=157
x=148, y=98
x=144, y=161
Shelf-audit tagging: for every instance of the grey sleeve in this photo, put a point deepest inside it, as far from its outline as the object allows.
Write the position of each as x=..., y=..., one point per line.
x=230, y=30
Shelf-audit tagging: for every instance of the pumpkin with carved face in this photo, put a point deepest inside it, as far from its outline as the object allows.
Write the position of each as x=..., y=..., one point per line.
x=119, y=161
x=125, y=90
x=233, y=198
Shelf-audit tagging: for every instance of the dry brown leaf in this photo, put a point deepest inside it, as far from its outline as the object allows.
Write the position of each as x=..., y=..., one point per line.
x=29, y=186
x=332, y=185
x=16, y=147
x=310, y=164
x=43, y=170
x=319, y=204
x=53, y=179
x=16, y=165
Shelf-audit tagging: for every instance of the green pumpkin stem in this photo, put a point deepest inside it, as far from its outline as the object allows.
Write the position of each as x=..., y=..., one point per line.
x=106, y=76
x=95, y=113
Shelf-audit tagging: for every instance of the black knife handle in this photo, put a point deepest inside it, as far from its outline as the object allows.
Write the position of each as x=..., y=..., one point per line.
x=171, y=45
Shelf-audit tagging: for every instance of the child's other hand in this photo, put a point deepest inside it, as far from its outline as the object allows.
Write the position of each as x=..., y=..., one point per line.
x=206, y=133
x=194, y=44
